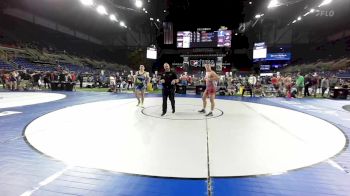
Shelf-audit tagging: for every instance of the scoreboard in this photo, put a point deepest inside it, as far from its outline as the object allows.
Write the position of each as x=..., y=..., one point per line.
x=203, y=39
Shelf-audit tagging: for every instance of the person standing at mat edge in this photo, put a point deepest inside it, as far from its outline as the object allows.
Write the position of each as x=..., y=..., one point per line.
x=211, y=79
x=169, y=80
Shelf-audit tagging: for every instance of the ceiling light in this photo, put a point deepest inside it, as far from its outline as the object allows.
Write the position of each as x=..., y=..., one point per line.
x=151, y=19
x=101, y=10
x=122, y=23
x=273, y=3
x=299, y=18
x=325, y=2
x=113, y=18
x=158, y=20
x=312, y=10
x=87, y=2
x=138, y=3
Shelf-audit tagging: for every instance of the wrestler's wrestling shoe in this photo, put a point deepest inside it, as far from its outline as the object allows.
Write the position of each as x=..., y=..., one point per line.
x=209, y=114
x=202, y=111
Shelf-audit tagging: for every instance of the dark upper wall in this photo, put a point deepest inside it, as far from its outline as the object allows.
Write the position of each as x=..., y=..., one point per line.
x=19, y=30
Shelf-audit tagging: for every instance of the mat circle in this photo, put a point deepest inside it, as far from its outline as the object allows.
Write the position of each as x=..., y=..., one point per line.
x=183, y=112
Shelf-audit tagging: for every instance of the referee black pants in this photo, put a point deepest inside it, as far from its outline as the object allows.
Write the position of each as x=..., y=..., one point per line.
x=171, y=94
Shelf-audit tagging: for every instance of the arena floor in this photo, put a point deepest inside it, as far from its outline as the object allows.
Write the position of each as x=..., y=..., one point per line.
x=79, y=143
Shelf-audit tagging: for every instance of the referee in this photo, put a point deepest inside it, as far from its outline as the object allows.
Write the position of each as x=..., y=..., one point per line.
x=169, y=80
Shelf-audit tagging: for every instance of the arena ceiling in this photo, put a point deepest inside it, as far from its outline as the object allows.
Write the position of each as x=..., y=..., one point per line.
x=197, y=13
x=84, y=18
x=187, y=14
x=326, y=19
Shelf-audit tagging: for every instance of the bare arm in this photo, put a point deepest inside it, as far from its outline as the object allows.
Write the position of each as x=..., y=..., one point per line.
x=134, y=76
x=148, y=79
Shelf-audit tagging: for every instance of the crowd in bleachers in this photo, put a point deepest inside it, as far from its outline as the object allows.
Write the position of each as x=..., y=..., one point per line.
x=5, y=66
x=283, y=85
x=277, y=85
x=27, y=74
x=19, y=80
x=295, y=85
x=31, y=76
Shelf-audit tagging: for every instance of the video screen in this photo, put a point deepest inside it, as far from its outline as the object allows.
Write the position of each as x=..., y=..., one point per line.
x=195, y=63
x=265, y=67
x=151, y=53
x=224, y=38
x=184, y=39
x=259, y=51
x=279, y=56
x=277, y=66
x=202, y=62
x=204, y=39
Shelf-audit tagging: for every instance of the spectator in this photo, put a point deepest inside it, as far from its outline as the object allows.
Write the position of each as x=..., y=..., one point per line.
x=252, y=82
x=183, y=79
x=288, y=85
x=307, y=85
x=155, y=83
x=25, y=80
x=13, y=80
x=333, y=81
x=314, y=84
x=36, y=78
x=47, y=80
x=275, y=83
x=300, y=84
x=81, y=79
x=130, y=81
x=324, y=85
x=247, y=87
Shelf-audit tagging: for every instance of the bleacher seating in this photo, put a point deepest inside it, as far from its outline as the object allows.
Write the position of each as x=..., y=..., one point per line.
x=344, y=74
x=25, y=64
x=76, y=68
x=5, y=66
x=336, y=66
